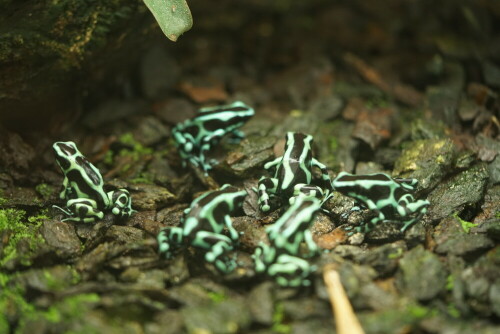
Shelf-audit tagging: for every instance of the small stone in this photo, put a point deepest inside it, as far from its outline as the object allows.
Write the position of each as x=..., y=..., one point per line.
x=369, y=167
x=326, y=108
x=306, y=308
x=61, y=238
x=125, y=234
x=385, y=232
x=261, y=303
x=412, y=266
x=462, y=190
x=495, y=297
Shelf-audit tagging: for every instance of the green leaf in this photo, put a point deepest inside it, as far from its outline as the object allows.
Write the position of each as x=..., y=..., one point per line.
x=173, y=16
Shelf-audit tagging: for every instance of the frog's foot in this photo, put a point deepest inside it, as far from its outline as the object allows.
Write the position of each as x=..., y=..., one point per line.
x=290, y=271
x=218, y=247
x=169, y=241
x=307, y=190
x=81, y=210
x=266, y=185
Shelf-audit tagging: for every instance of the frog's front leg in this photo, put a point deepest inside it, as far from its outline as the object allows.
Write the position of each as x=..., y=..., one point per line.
x=121, y=203
x=266, y=185
x=236, y=136
x=368, y=226
x=218, y=246
x=81, y=210
x=170, y=241
x=326, y=181
x=290, y=271
x=233, y=234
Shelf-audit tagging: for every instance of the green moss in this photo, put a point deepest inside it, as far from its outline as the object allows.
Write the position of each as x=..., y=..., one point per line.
x=396, y=255
x=17, y=229
x=14, y=305
x=450, y=282
x=216, y=297
x=278, y=318
x=453, y=311
x=466, y=226
x=44, y=190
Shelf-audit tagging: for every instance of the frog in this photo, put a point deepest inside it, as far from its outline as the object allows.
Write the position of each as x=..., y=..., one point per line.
x=196, y=136
x=293, y=173
x=283, y=259
x=391, y=198
x=202, y=227
x=83, y=188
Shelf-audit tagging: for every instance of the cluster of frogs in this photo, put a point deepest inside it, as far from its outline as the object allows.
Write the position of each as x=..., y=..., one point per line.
x=205, y=222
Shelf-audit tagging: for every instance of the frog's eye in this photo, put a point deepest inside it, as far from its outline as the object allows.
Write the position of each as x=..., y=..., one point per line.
x=188, y=147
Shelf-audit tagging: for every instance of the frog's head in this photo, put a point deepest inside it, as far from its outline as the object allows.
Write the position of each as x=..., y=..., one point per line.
x=65, y=153
x=298, y=142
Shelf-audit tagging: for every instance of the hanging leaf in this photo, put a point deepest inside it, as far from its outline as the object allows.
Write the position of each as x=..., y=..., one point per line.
x=173, y=16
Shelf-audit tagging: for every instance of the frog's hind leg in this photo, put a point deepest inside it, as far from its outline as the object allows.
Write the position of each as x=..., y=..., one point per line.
x=81, y=210
x=307, y=190
x=419, y=206
x=326, y=181
x=170, y=241
x=266, y=185
x=218, y=247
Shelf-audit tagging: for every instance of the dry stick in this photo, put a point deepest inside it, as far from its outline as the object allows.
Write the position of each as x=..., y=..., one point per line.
x=345, y=319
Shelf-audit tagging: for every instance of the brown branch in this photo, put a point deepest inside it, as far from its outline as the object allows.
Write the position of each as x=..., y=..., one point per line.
x=345, y=318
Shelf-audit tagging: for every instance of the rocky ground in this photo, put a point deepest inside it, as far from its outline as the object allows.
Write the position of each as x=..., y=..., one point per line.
x=378, y=90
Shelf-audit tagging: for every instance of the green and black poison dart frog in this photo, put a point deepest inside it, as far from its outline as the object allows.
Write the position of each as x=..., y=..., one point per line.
x=282, y=258
x=83, y=188
x=391, y=198
x=202, y=226
x=293, y=174
x=194, y=137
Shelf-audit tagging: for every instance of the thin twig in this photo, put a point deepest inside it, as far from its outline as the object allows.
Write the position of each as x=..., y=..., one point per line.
x=345, y=318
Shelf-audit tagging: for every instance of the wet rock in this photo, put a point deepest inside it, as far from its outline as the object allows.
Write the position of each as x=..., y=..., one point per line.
x=228, y=316
x=158, y=72
x=385, y=232
x=150, y=131
x=412, y=266
x=348, y=251
x=251, y=153
x=423, y=129
x=373, y=126
x=150, y=197
x=495, y=297
x=332, y=239
x=113, y=110
x=253, y=232
x=494, y=170
x=22, y=196
x=306, y=308
x=17, y=155
x=167, y=321
x=461, y=191
x=125, y=235
x=61, y=237
x=427, y=161
x=326, y=108
x=177, y=270
x=334, y=145
x=369, y=167
x=145, y=220
x=415, y=234
x=479, y=280
x=319, y=326
x=51, y=279
x=160, y=170
x=383, y=259
x=176, y=110
x=443, y=101
x=197, y=292
x=355, y=278
x=386, y=156
x=261, y=303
